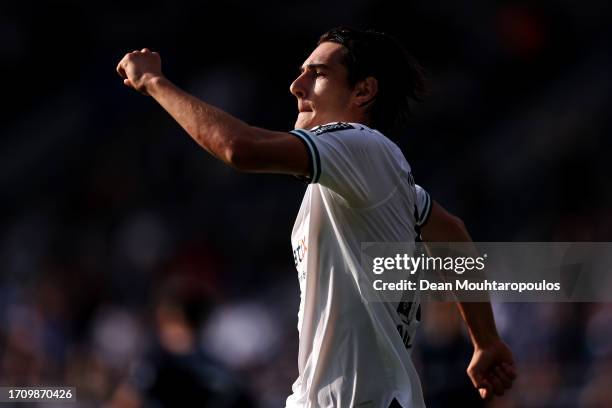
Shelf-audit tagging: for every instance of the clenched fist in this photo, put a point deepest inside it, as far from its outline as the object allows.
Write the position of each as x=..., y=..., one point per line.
x=492, y=369
x=138, y=68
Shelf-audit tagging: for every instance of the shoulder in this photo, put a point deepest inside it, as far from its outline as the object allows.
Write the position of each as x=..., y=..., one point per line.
x=333, y=127
x=350, y=140
x=345, y=128
x=351, y=133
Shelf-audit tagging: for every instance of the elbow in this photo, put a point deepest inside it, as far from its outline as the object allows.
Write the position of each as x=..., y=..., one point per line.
x=460, y=232
x=237, y=155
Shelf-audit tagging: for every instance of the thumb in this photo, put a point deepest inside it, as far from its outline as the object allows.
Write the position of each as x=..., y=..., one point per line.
x=483, y=386
x=485, y=389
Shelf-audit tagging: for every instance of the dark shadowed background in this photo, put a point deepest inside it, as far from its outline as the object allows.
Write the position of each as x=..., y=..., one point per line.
x=106, y=202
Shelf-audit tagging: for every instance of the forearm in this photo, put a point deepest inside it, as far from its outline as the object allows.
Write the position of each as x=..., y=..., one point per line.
x=478, y=316
x=214, y=130
x=479, y=319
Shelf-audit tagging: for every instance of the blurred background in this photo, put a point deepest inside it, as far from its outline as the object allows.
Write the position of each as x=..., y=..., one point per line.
x=138, y=269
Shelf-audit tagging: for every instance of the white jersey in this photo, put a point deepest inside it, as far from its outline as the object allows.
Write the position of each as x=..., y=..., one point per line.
x=353, y=352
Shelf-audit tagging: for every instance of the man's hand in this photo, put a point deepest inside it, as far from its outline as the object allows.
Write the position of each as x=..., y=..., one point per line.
x=492, y=369
x=137, y=68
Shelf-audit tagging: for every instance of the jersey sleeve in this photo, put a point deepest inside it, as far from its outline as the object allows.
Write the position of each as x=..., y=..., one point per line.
x=423, y=203
x=359, y=164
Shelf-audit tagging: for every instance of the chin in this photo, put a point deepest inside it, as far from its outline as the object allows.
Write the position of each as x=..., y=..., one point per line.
x=305, y=121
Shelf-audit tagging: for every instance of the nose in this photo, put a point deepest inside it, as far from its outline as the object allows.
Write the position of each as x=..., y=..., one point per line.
x=297, y=88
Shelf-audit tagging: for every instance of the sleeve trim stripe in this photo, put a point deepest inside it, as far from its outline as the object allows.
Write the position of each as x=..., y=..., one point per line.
x=427, y=212
x=313, y=153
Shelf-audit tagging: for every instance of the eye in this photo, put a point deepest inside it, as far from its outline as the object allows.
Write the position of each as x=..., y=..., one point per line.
x=317, y=74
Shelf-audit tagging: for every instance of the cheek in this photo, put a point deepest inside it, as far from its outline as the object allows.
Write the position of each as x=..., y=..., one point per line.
x=326, y=95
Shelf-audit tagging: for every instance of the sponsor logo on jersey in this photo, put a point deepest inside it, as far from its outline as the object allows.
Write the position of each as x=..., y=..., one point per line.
x=299, y=252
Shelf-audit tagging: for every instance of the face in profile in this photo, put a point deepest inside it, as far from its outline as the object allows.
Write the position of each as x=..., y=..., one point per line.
x=322, y=90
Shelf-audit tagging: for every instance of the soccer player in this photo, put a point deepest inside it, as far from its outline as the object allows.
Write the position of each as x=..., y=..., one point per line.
x=352, y=89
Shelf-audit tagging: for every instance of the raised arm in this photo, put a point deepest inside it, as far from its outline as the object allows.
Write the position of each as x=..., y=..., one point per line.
x=229, y=139
x=492, y=368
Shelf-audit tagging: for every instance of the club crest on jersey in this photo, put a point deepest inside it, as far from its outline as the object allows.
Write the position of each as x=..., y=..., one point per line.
x=332, y=127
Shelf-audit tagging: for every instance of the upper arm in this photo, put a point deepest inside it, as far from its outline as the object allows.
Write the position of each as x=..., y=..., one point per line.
x=443, y=226
x=268, y=151
x=355, y=163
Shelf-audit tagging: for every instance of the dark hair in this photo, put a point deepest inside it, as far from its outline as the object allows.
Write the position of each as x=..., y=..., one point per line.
x=401, y=80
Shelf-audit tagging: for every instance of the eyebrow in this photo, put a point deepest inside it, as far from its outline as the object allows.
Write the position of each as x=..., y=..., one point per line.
x=312, y=66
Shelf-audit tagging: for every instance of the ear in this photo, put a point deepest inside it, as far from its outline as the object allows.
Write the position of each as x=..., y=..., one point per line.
x=365, y=92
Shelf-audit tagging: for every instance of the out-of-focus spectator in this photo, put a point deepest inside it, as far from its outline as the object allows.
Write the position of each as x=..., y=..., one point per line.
x=177, y=371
